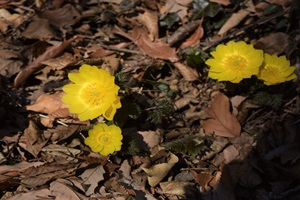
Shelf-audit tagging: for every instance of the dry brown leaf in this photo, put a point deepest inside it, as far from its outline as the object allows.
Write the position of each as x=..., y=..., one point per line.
x=7, y=54
x=150, y=20
x=274, y=43
x=230, y=153
x=233, y=21
x=91, y=178
x=182, y=32
x=236, y=101
x=61, y=17
x=223, y=2
x=60, y=62
x=188, y=73
x=154, y=49
x=176, y=188
x=37, y=63
x=34, y=139
x=48, y=103
x=63, y=189
x=151, y=138
x=223, y=122
x=158, y=171
x=7, y=19
x=194, y=39
x=100, y=52
x=10, y=67
x=172, y=6
x=203, y=178
x=35, y=194
x=20, y=167
x=39, y=29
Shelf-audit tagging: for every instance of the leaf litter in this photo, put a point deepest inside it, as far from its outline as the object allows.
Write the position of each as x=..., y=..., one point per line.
x=185, y=136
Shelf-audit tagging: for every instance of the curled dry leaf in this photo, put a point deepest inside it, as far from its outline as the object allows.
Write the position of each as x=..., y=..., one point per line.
x=91, y=178
x=37, y=63
x=182, y=32
x=233, y=21
x=151, y=138
x=157, y=172
x=65, y=16
x=223, y=122
x=176, y=188
x=223, y=2
x=150, y=20
x=63, y=189
x=48, y=103
x=154, y=49
x=39, y=29
x=34, y=139
x=274, y=43
x=188, y=73
x=194, y=39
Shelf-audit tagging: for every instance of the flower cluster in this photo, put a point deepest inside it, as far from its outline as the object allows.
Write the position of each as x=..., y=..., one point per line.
x=93, y=93
x=238, y=60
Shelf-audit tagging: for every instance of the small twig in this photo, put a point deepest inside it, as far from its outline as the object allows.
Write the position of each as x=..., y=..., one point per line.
x=257, y=23
x=120, y=49
x=58, y=121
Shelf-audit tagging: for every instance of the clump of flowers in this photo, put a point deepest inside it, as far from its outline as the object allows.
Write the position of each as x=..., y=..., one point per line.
x=104, y=139
x=276, y=70
x=234, y=62
x=92, y=93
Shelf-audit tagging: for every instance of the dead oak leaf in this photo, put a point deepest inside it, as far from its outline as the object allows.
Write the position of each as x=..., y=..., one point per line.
x=154, y=49
x=223, y=122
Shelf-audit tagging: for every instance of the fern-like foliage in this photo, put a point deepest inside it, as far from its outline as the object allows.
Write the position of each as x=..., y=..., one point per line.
x=188, y=144
x=158, y=109
x=272, y=100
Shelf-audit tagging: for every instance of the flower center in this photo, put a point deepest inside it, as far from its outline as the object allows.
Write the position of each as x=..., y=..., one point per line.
x=104, y=138
x=94, y=93
x=270, y=71
x=235, y=62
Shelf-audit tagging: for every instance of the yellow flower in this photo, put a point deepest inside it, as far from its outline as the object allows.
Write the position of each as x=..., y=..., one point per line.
x=104, y=139
x=234, y=62
x=93, y=93
x=276, y=70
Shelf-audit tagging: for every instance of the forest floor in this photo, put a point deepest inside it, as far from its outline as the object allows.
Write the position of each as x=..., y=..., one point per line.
x=185, y=135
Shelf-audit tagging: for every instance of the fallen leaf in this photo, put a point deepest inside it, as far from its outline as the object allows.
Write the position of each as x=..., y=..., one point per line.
x=154, y=49
x=176, y=188
x=182, y=32
x=48, y=103
x=61, y=17
x=230, y=153
x=223, y=122
x=151, y=138
x=158, y=171
x=37, y=63
x=236, y=101
x=39, y=29
x=274, y=43
x=34, y=139
x=188, y=73
x=223, y=2
x=19, y=167
x=63, y=189
x=233, y=21
x=36, y=194
x=91, y=178
x=150, y=20
x=172, y=6
x=194, y=39
x=9, y=67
